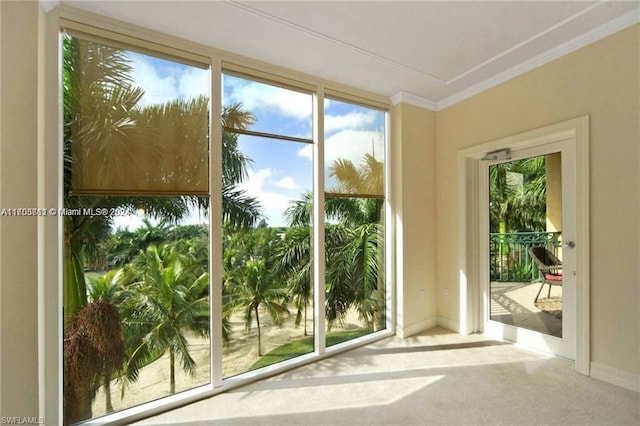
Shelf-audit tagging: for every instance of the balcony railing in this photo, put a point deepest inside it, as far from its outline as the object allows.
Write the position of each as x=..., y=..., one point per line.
x=509, y=254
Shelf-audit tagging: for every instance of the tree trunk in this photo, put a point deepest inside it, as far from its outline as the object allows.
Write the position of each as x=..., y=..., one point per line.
x=380, y=311
x=379, y=319
x=172, y=372
x=107, y=393
x=75, y=286
x=77, y=404
x=305, y=318
x=258, y=324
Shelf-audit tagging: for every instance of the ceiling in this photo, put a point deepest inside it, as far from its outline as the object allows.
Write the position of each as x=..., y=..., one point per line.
x=435, y=53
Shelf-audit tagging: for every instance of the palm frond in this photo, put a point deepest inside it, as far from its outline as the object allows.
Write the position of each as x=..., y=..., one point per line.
x=238, y=208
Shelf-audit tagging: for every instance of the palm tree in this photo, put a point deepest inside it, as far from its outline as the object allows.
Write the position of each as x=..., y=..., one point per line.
x=530, y=202
x=354, y=245
x=99, y=106
x=124, y=245
x=102, y=113
x=516, y=207
x=170, y=297
x=368, y=179
x=295, y=267
x=93, y=350
x=101, y=109
x=109, y=288
x=517, y=203
x=254, y=287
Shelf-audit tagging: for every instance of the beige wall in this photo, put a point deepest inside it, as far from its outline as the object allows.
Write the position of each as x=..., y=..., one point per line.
x=414, y=172
x=601, y=80
x=18, y=235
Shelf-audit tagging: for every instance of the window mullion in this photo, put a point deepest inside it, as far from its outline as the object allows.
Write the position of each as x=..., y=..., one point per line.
x=318, y=223
x=267, y=135
x=215, y=223
x=390, y=265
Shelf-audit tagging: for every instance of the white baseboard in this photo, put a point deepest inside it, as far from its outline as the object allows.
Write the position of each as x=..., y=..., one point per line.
x=416, y=327
x=615, y=377
x=449, y=324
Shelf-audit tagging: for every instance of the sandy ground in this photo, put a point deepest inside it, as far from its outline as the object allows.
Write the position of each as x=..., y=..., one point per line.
x=241, y=353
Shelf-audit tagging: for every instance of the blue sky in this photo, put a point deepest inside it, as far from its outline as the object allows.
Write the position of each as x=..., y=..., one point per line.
x=280, y=170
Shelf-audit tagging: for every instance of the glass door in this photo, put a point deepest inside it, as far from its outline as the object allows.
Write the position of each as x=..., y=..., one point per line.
x=527, y=222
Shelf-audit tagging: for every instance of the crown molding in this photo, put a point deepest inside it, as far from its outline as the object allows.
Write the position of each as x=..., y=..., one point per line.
x=592, y=36
x=612, y=27
x=408, y=98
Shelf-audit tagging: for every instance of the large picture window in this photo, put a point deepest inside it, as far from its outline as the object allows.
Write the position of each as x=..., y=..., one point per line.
x=193, y=258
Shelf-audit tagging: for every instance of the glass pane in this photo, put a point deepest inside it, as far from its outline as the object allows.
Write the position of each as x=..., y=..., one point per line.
x=355, y=269
x=268, y=290
x=136, y=279
x=156, y=274
x=354, y=149
x=136, y=123
x=525, y=210
x=275, y=110
x=354, y=210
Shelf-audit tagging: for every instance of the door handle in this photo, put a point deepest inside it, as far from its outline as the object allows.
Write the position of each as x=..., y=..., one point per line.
x=569, y=244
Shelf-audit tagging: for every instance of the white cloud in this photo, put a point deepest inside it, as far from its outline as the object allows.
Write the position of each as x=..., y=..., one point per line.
x=255, y=181
x=256, y=96
x=353, y=145
x=193, y=83
x=157, y=89
x=288, y=182
x=181, y=82
x=353, y=121
x=130, y=222
x=306, y=152
x=273, y=203
x=349, y=136
x=349, y=144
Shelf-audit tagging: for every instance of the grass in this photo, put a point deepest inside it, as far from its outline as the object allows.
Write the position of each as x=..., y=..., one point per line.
x=305, y=346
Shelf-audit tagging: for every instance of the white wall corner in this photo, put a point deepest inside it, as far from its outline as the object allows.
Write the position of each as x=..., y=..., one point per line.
x=408, y=98
x=616, y=377
x=404, y=331
x=49, y=5
x=449, y=324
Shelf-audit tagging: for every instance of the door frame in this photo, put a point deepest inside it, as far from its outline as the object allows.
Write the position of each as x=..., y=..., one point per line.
x=470, y=316
x=564, y=346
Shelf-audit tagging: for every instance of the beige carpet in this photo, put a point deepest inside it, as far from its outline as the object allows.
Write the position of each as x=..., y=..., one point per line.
x=436, y=378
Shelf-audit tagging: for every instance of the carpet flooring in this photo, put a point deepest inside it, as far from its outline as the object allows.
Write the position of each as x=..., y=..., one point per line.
x=435, y=378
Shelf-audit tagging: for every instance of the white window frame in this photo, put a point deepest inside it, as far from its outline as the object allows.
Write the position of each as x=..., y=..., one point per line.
x=50, y=230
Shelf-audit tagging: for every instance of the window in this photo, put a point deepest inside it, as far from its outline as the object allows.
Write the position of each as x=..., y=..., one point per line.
x=354, y=156
x=179, y=276
x=267, y=288
x=136, y=245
